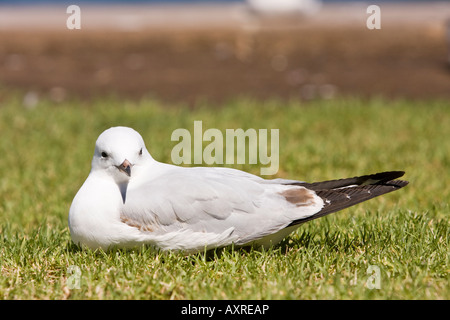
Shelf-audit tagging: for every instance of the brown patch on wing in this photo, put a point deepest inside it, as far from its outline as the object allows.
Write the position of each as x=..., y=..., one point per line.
x=299, y=196
x=136, y=224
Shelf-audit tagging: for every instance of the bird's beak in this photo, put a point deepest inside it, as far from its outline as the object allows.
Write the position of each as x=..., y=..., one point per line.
x=125, y=167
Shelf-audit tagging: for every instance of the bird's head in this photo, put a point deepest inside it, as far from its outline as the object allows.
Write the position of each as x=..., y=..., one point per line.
x=118, y=151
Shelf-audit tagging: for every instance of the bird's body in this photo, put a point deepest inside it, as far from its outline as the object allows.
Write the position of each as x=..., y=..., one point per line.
x=130, y=199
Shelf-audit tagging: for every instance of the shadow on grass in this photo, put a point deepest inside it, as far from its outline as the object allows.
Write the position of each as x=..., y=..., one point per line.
x=325, y=239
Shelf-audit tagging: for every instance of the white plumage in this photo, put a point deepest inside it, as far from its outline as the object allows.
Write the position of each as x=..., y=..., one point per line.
x=178, y=208
x=130, y=199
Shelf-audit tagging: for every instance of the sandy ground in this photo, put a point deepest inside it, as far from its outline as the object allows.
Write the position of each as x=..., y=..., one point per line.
x=214, y=53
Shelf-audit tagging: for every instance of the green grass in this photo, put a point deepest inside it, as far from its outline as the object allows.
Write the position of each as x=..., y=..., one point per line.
x=46, y=154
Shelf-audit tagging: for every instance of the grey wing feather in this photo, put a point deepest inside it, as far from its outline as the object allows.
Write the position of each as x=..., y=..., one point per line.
x=181, y=199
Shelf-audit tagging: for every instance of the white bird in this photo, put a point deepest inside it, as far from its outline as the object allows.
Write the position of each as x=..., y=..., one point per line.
x=280, y=7
x=130, y=199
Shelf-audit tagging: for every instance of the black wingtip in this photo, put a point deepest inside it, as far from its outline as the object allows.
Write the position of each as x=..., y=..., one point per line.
x=385, y=176
x=376, y=178
x=394, y=183
x=342, y=194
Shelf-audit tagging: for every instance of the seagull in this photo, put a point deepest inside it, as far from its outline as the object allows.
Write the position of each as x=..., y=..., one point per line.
x=274, y=7
x=129, y=199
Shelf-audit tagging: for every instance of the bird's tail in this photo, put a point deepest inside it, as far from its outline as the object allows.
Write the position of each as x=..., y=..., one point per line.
x=343, y=193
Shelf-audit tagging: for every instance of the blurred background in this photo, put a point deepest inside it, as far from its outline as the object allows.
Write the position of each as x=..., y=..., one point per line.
x=194, y=52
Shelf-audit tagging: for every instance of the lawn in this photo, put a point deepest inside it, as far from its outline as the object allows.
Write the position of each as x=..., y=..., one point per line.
x=392, y=247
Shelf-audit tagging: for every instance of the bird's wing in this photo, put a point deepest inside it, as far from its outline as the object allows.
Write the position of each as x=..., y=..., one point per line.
x=216, y=201
x=344, y=193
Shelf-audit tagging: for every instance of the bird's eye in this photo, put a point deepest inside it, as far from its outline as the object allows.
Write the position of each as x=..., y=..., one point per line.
x=140, y=152
x=104, y=154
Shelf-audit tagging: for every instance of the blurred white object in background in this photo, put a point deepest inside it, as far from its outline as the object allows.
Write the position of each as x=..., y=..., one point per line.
x=284, y=7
